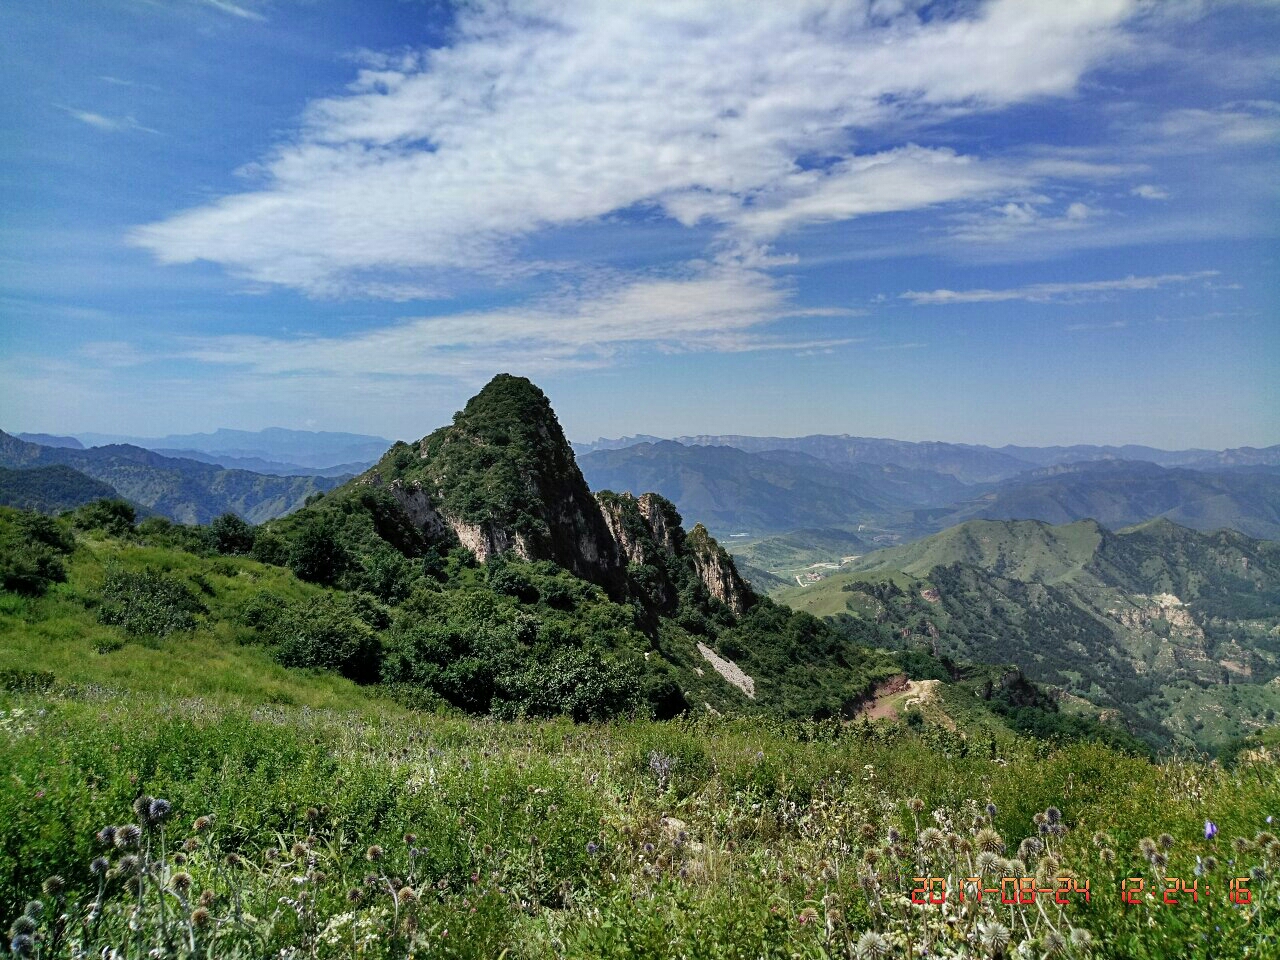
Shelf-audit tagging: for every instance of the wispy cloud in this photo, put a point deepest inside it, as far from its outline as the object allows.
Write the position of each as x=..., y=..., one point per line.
x=107, y=124
x=557, y=114
x=722, y=310
x=1040, y=292
x=226, y=6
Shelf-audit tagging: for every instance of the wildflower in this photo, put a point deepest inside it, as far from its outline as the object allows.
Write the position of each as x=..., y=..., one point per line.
x=1054, y=943
x=1241, y=845
x=1053, y=814
x=298, y=850
x=312, y=814
x=106, y=836
x=207, y=898
x=99, y=866
x=807, y=915
x=202, y=824
x=355, y=895
x=127, y=836
x=53, y=886
x=1147, y=847
x=988, y=840
x=1210, y=829
x=181, y=882
x=373, y=854
x=180, y=859
x=24, y=924
x=1081, y=938
x=234, y=860
x=932, y=839
x=410, y=838
x=1257, y=874
x=128, y=864
x=648, y=848
x=22, y=945
x=1211, y=863
x=988, y=862
x=142, y=807
x=995, y=936
x=406, y=895
x=159, y=812
x=33, y=909
x=593, y=848
x=916, y=805
x=200, y=917
x=894, y=835
x=1159, y=860
x=871, y=944
x=1165, y=841
x=991, y=810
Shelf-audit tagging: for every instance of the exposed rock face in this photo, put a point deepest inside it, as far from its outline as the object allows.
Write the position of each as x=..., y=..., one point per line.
x=729, y=670
x=716, y=570
x=664, y=521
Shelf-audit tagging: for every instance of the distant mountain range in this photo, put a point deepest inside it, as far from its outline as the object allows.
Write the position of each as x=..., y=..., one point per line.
x=273, y=450
x=184, y=490
x=773, y=490
x=969, y=463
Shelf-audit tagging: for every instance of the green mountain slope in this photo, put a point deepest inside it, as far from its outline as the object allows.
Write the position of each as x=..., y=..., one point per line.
x=183, y=490
x=1176, y=631
x=50, y=489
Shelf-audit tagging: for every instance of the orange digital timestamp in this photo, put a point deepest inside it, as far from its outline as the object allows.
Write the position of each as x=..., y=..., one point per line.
x=1012, y=890
x=1133, y=891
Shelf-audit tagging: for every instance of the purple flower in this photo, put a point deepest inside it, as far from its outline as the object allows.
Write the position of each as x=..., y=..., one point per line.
x=1210, y=829
x=593, y=848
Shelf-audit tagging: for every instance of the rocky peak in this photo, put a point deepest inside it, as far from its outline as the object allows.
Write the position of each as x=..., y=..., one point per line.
x=716, y=570
x=502, y=477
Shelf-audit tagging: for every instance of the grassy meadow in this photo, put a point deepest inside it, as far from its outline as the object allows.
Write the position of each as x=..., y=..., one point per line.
x=185, y=795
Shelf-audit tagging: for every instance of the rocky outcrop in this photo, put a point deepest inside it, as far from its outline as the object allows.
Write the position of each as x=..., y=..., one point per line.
x=731, y=672
x=716, y=570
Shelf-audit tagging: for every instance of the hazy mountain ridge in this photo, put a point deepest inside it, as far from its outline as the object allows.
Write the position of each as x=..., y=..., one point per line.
x=970, y=463
x=318, y=449
x=187, y=491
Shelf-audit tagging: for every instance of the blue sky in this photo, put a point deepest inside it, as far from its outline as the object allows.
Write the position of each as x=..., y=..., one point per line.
x=1007, y=221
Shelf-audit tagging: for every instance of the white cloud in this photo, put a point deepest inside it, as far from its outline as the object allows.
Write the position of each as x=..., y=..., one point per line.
x=546, y=113
x=1149, y=191
x=722, y=309
x=1038, y=292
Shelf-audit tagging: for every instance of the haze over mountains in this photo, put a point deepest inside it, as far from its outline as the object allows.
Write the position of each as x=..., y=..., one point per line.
x=901, y=490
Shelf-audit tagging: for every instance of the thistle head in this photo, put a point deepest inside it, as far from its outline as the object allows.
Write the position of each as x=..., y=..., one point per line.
x=53, y=885
x=1054, y=943
x=871, y=945
x=988, y=840
x=1081, y=939
x=201, y=918
x=1165, y=841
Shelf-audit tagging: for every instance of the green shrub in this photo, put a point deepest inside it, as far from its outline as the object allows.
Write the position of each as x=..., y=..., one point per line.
x=32, y=548
x=148, y=603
